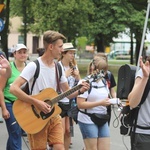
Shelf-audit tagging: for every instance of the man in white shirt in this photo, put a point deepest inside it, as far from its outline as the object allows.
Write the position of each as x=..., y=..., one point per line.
x=53, y=131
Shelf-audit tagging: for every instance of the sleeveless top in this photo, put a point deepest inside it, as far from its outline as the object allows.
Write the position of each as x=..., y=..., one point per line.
x=9, y=98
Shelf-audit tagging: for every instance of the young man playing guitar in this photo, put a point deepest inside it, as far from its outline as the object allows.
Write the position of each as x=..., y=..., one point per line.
x=52, y=132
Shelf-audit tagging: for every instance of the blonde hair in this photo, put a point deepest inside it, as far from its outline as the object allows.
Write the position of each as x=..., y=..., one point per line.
x=101, y=54
x=102, y=65
x=90, y=69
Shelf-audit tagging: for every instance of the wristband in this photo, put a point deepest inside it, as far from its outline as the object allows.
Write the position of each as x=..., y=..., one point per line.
x=79, y=92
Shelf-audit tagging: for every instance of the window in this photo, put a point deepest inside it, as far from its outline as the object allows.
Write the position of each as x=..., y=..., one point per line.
x=21, y=39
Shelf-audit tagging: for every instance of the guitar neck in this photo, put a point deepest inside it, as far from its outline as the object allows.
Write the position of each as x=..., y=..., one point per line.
x=65, y=94
x=90, y=78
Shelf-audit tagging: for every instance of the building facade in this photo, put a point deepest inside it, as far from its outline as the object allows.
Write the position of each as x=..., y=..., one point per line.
x=14, y=37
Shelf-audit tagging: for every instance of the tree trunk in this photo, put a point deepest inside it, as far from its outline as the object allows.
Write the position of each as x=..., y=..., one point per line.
x=137, y=50
x=99, y=42
x=138, y=37
x=131, y=50
x=24, y=21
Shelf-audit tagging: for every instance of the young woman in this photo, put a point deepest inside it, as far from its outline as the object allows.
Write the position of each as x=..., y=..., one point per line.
x=69, y=65
x=96, y=101
x=7, y=99
x=110, y=80
x=108, y=76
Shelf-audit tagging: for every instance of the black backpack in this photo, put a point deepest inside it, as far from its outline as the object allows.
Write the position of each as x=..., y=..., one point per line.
x=126, y=77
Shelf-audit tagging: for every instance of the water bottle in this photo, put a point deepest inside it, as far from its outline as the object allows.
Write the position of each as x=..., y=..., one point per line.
x=73, y=103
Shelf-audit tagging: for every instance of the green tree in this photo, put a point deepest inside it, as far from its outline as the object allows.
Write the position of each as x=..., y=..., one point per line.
x=140, y=6
x=68, y=16
x=113, y=17
x=98, y=19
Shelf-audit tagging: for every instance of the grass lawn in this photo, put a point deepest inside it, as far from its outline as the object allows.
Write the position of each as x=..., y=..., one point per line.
x=114, y=65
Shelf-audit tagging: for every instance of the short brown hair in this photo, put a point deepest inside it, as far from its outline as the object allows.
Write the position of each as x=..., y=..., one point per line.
x=52, y=36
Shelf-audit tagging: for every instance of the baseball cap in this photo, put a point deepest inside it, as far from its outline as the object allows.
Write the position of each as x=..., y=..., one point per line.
x=2, y=53
x=18, y=47
x=68, y=46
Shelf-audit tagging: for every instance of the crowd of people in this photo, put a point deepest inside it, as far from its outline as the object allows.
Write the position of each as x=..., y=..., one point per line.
x=91, y=98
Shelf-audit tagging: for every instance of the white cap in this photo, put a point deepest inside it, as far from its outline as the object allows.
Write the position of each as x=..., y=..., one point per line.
x=68, y=46
x=18, y=47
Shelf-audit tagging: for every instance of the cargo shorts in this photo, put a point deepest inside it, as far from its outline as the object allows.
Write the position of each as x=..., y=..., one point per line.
x=51, y=134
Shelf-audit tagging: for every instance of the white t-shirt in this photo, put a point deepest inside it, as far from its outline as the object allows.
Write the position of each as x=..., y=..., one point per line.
x=96, y=94
x=46, y=78
x=144, y=112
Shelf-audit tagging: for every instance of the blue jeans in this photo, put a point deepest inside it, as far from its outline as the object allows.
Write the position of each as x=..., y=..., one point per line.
x=14, y=141
x=94, y=131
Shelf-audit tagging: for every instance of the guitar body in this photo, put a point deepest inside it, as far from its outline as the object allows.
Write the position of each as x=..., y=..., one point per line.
x=29, y=117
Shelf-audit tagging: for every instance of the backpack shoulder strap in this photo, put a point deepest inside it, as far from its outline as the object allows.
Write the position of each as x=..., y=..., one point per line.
x=58, y=76
x=59, y=69
x=109, y=75
x=36, y=73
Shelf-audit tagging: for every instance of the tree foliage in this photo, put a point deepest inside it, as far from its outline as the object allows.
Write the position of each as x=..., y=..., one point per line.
x=68, y=17
x=98, y=20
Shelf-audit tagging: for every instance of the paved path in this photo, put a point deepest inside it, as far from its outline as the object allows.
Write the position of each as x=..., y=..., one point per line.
x=116, y=138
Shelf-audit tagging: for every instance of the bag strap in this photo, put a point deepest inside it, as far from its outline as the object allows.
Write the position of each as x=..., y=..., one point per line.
x=58, y=69
x=85, y=112
x=109, y=75
x=36, y=74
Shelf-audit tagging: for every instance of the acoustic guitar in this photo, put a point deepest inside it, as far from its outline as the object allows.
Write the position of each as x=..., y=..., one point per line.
x=31, y=119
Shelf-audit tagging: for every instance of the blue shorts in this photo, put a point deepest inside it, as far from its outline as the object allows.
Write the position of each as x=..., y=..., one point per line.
x=94, y=131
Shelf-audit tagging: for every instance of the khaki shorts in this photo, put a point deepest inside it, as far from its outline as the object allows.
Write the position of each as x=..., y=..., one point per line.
x=52, y=134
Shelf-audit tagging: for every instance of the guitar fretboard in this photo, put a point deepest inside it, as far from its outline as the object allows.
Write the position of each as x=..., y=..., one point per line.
x=65, y=94
x=91, y=78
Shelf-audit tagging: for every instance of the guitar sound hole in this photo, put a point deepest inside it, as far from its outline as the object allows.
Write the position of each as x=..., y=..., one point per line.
x=48, y=102
x=45, y=116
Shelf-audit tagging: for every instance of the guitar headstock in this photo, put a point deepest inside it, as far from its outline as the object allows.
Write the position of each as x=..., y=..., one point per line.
x=96, y=75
